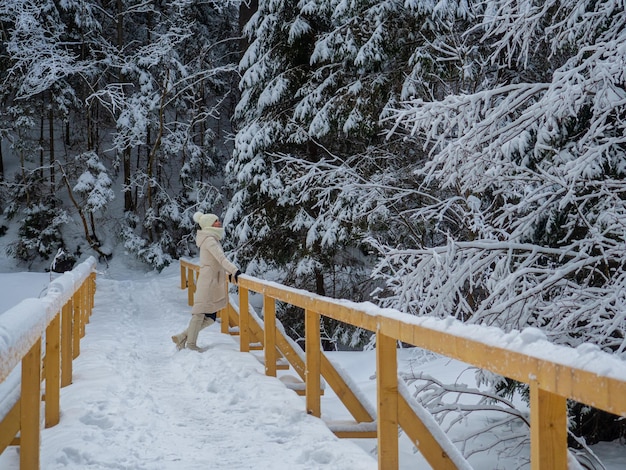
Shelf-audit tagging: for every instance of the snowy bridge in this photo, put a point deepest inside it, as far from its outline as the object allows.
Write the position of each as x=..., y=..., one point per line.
x=128, y=400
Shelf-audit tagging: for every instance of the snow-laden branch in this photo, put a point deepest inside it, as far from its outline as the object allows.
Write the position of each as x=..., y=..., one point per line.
x=513, y=285
x=532, y=183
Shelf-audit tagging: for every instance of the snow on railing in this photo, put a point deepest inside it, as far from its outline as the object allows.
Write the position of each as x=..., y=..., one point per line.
x=54, y=324
x=554, y=373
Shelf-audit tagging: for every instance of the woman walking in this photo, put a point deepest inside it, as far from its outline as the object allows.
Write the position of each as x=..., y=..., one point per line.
x=210, y=295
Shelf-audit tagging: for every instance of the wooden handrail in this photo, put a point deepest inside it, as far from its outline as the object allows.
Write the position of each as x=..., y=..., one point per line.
x=554, y=373
x=60, y=316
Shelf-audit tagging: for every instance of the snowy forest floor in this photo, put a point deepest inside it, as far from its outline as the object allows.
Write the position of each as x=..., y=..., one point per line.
x=136, y=403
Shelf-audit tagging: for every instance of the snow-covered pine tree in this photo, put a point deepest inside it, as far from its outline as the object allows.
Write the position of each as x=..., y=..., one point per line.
x=276, y=224
x=528, y=173
x=314, y=175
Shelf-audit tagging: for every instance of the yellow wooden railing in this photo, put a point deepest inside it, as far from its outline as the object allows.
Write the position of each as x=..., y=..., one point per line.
x=43, y=335
x=554, y=373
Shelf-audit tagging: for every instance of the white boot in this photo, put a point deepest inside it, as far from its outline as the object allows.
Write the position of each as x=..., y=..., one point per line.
x=195, y=325
x=180, y=340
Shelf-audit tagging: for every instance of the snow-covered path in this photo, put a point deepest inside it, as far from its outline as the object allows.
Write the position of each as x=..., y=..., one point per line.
x=137, y=403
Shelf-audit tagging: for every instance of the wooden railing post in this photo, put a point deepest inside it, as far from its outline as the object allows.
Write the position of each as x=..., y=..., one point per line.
x=183, y=276
x=52, y=370
x=92, y=292
x=30, y=408
x=548, y=429
x=66, y=344
x=224, y=314
x=269, y=320
x=244, y=320
x=84, y=314
x=76, y=321
x=313, y=362
x=387, y=400
x=191, y=285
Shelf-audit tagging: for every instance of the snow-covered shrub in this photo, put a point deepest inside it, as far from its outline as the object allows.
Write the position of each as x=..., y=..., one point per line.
x=40, y=232
x=152, y=252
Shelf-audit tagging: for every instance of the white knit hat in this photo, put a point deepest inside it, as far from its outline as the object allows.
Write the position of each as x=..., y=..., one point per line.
x=204, y=220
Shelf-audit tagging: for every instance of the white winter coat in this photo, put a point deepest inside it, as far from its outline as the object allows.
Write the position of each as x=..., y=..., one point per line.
x=211, y=295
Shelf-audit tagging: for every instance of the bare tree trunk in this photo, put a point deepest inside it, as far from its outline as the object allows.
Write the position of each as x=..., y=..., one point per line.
x=152, y=156
x=90, y=237
x=136, y=195
x=203, y=129
x=51, y=146
x=92, y=222
x=41, y=140
x=23, y=169
x=148, y=200
x=95, y=126
x=319, y=283
x=126, y=154
x=149, y=165
x=89, y=130
x=128, y=194
x=1, y=162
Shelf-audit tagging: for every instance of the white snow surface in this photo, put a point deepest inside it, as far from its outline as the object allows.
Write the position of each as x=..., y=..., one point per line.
x=136, y=403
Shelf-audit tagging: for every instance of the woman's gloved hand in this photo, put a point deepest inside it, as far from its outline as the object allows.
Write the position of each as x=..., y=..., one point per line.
x=236, y=276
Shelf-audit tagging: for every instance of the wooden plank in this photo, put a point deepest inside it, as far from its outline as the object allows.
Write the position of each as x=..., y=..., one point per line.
x=10, y=426
x=232, y=327
x=52, y=371
x=313, y=362
x=255, y=332
x=586, y=387
x=30, y=408
x=548, y=429
x=280, y=364
x=420, y=435
x=87, y=299
x=357, y=435
x=191, y=286
x=387, y=400
x=269, y=320
x=92, y=292
x=306, y=300
x=289, y=353
x=66, y=344
x=353, y=430
x=244, y=321
x=75, y=325
x=224, y=314
x=302, y=393
x=343, y=392
x=82, y=292
x=183, y=276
